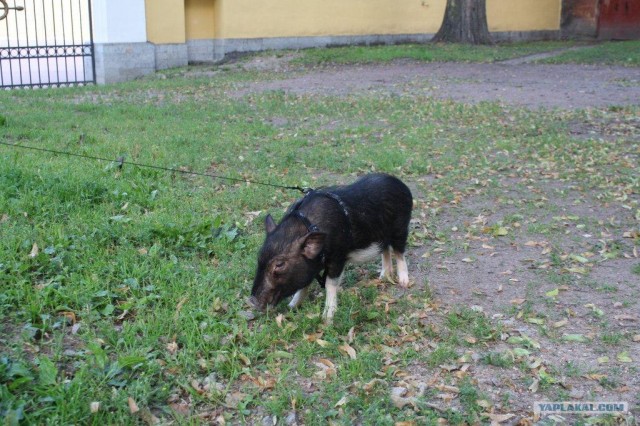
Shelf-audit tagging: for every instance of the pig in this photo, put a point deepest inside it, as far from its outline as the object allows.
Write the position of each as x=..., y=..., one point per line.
x=325, y=230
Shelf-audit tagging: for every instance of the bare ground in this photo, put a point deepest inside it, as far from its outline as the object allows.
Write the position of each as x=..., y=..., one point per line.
x=561, y=279
x=529, y=85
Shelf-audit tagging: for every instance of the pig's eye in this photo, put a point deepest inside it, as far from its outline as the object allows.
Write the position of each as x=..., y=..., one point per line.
x=278, y=268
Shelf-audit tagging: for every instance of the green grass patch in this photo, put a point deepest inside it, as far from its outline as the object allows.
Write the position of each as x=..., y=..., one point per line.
x=431, y=52
x=130, y=283
x=625, y=53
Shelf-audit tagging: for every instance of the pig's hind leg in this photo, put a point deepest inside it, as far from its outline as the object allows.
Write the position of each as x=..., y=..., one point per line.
x=399, y=243
x=403, y=270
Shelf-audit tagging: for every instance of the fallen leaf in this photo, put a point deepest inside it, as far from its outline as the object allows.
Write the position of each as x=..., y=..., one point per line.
x=603, y=360
x=248, y=315
x=312, y=337
x=521, y=352
x=327, y=363
x=578, y=338
x=399, y=402
x=594, y=309
x=552, y=293
x=347, y=349
x=245, y=360
x=179, y=307
x=94, y=407
x=523, y=340
x=351, y=335
x=281, y=354
x=322, y=343
x=580, y=259
x=636, y=338
x=448, y=388
x=595, y=376
x=500, y=232
x=372, y=384
x=181, y=407
x=233, y=399
x=560, y=323
x=447, y=397
x=517, y=301
x=279, y=320
x=624, y=357
x=484, y=403
x=34, y=250
x=577, y=270
x=500, y=418
x=69, y=315
x=342, y=401
x=533, y=320
x=133, y=407
x=172, y=348
x=625, y=317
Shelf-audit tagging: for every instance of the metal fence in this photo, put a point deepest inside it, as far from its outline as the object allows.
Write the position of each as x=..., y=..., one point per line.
x=46, y=43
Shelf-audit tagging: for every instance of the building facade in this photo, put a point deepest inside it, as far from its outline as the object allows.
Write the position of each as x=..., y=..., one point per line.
x=135, y=37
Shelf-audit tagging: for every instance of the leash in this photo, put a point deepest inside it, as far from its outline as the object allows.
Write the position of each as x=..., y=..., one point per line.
x=121, y=162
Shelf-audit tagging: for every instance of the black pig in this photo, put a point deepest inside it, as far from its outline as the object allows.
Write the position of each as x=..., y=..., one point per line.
x=327, y=228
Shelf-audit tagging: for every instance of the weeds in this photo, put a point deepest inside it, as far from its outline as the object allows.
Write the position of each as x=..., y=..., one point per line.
x=125, y=288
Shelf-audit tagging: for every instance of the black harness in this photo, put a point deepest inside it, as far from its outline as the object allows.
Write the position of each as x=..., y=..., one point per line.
x=311, y=227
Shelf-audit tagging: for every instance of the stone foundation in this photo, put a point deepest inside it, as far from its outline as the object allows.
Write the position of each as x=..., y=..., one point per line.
x=118, y=62
x=171, y=56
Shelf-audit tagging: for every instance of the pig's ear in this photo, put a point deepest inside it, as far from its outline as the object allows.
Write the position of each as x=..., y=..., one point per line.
x=269, y=224
x=312, y=245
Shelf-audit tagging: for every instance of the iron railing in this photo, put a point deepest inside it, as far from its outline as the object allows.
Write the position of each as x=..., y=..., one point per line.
x=46, y=43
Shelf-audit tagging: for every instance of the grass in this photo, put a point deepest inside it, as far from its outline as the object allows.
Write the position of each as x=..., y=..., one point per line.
x=437, y=52
x=124, y=288
x=625, y=53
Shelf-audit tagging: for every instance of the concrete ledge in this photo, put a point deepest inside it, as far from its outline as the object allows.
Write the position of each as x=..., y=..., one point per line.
x=205, y=51
x=171, y=55
x=215, y=50
x=511, y=36
x=118, y=62
x=235, y=45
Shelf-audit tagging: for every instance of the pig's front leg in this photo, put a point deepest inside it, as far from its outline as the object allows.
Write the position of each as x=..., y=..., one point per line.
x=299, y=297
x=331, y=301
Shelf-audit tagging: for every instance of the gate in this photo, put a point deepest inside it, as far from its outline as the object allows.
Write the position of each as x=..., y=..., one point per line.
x=46, y=43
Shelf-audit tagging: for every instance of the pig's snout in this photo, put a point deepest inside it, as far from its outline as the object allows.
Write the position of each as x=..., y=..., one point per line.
x=253, y=302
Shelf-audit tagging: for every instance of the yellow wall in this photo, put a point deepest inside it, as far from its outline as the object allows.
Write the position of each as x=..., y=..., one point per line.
x=300, y=18
x=523, y=15
x=295, y=18
x=165, y=21
x=200, y=19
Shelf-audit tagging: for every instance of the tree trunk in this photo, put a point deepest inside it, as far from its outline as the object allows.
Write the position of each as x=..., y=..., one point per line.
x=465, y=21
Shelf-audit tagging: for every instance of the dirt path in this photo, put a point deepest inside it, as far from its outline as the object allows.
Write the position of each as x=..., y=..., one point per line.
x=528, y=85
x=562, y=276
